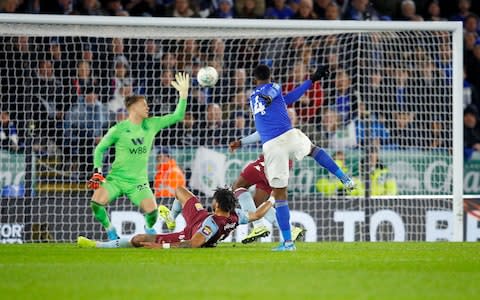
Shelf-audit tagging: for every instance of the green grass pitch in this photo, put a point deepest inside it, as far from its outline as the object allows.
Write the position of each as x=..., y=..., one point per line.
x=314, y=271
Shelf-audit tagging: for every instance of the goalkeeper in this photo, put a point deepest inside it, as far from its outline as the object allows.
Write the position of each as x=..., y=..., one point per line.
x=133, y=140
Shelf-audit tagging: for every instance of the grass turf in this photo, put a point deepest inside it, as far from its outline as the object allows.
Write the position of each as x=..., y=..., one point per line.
x=314, y=271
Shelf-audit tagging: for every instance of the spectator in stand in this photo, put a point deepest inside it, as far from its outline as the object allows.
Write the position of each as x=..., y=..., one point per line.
x=84, y=125
x=84, y=78
x=305, y=11
x=239, y=102
x=433, y=12
x=169, y=175
x=252, y=9
x=169, y=61
x=279, y=10
x=409, y=11
x=311, y=101
x=161, y=94
x=9, y=139
x=145, y=8
x=89, y=8
x=212, y=128
x=183, y=9
x=343, y=98
x=114, y=7
x=471, y=24
x=333, y=133
x=183, y=134
x=238, y=127
x=471, y=131
x=59, y=60
x=224, y=10
x=320, y=7
x=360, y=10
x=125, y=88
x=9, y=6
x=146, y=66
x=470, y=93
x=58, y=7
x=121, y=72
x=332, y=12
x=188, y=55
x=463, y=11
x=404, y=134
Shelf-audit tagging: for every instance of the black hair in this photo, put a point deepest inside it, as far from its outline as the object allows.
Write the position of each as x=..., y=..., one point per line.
x=261, y=72
x=225, y=199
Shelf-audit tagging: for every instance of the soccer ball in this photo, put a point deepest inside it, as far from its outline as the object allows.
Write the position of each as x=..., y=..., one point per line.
x=207, y=76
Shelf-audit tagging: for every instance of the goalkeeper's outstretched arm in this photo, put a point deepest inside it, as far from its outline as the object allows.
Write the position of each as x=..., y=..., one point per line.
x=181, y=84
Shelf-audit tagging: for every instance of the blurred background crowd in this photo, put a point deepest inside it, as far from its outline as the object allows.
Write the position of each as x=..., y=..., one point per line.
x=64, y=92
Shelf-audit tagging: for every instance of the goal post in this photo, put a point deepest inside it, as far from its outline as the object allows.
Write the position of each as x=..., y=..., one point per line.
x=393, y=98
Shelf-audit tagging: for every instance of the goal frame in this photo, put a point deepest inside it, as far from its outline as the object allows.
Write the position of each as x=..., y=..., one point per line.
x=17, y=24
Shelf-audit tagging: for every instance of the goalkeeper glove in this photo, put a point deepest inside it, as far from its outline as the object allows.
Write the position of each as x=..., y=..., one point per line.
x=320, y=73
x=181, y=84
x=96, y=179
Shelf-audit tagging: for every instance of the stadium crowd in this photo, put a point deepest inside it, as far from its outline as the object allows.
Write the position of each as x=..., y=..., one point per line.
x=64, y=92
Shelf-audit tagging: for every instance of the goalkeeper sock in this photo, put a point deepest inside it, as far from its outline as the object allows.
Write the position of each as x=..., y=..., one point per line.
x=323, y=159
x=283, y=218
x=176, y=209
x=151, y=218
x=100, y=214
x=247, y=204
x=120, y=243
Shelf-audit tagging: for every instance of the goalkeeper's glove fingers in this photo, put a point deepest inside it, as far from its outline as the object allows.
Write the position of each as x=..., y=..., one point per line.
x=320, y=73
x=268, y=99
x=95, y=181
x=181, y=84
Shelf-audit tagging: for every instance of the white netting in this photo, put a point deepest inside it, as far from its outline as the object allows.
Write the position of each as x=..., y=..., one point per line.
x=385, y=109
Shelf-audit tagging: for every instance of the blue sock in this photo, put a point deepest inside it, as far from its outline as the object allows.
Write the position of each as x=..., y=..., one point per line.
x=120, y=243
x=323, y=159
x=176, y=209
x=283, y=218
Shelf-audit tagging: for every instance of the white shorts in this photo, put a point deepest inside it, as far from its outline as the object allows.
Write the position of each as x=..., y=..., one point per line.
x=293, y=144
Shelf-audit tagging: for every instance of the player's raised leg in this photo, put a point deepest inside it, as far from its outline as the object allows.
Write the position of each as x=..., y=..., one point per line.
x=326, y=161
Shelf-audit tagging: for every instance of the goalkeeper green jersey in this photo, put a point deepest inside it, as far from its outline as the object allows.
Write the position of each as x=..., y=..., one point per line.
x=133, y=144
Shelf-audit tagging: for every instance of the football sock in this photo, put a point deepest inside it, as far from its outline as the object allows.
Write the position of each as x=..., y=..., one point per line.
x=271, y=217
x=323, y=159
x=151, y=218
x=120, y=243
x=176, y=209
x=283, y=218
x=247, y=204
x=100, y=214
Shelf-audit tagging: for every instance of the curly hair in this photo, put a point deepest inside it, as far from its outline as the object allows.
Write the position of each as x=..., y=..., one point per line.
x=225, y=199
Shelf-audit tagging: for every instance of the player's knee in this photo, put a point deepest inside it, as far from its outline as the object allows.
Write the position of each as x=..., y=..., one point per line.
x=100, y=196
x=137, y=240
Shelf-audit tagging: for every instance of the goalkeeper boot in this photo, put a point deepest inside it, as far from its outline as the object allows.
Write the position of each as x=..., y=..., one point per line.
x=166, y=216
x=255, y=234
x=83, y=242
x=297, y=233
x=112, y=234
x=285, y=246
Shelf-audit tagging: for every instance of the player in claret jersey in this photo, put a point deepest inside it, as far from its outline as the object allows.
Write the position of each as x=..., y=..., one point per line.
x=133, y=139
x=203, y=229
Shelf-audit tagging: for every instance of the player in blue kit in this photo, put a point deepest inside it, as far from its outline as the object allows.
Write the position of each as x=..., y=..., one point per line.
x=280, y=142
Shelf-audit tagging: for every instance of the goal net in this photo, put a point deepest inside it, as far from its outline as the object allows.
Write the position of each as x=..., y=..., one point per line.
x=389, y=112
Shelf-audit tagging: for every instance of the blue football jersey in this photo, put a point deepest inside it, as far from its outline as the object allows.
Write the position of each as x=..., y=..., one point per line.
x=271, y=120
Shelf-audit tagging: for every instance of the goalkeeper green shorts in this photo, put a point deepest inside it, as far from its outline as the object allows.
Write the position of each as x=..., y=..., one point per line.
x=136, y=192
